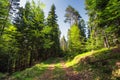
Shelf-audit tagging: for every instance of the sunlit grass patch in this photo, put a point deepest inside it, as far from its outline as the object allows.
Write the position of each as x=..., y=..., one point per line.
x=30, y=73
x=91, y=63
x=37, y=70
x=100, y=62
x=83, y=55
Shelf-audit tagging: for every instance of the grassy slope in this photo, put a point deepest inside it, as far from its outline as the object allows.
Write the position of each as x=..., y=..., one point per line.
x=94, y=65
x=98, y=65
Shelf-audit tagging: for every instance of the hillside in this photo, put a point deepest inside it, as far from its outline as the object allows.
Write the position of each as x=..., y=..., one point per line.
x=101, y=64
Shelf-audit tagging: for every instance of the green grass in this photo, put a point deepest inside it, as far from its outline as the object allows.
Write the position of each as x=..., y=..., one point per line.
x=35, y=71
x=101, y=63
x=30, y=73
x=97, y=65
x=83, y=55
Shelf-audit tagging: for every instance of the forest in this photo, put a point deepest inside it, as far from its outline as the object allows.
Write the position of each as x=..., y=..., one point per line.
x=31, y=46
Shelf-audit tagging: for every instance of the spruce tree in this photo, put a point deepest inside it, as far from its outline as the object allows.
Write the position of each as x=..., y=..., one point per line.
x=103, y=22
x=55, y=33
x=63, y=44
x=4, y=14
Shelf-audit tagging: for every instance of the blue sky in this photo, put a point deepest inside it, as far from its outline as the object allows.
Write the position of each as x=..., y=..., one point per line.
x=61, y=5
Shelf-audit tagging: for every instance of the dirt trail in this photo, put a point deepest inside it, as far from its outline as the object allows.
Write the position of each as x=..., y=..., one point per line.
x=48, y=74
x=69, y=73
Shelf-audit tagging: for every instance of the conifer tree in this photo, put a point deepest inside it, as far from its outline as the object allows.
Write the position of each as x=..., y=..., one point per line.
x=103, y=22
x=76, y=33
x=54, y=36
x=72, y=15
x=63, y=44
x=4, y=14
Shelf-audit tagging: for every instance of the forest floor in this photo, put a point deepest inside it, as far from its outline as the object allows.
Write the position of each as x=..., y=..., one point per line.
x=103, y=64
x=58, y=72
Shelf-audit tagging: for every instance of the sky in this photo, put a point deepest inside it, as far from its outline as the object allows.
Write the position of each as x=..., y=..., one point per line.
x=61, y=5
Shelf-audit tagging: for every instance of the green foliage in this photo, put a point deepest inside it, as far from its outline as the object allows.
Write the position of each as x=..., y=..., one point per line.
x=103, y=22
x=4, y=13
x=30, y=73
x=82, y=27
x=36, y=71
x=91, y=64
x=96, y=65
x=63, y=44
x=74, y=37
x=76, y=33
x=8, y=49
x=54, y=36
x=97, y=62
x=72, y=16
x=30, y=39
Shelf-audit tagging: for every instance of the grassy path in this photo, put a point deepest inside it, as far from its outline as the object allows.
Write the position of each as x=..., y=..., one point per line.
x=59, y=71
x=96, y=65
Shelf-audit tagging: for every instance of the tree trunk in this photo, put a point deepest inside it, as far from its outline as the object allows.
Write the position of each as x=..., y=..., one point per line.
x=106, y=43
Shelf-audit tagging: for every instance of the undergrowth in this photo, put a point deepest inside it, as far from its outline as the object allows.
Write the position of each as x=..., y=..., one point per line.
x=93, y=65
